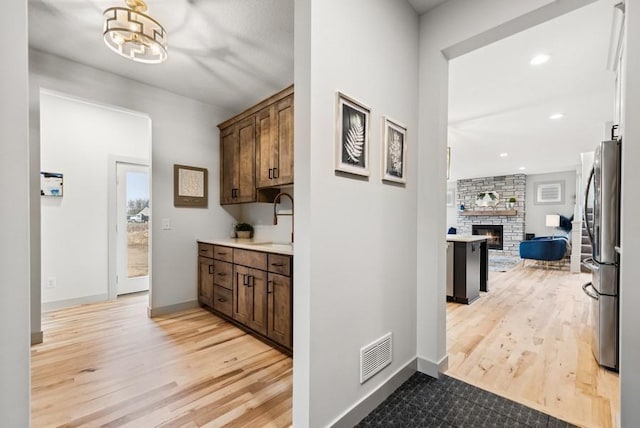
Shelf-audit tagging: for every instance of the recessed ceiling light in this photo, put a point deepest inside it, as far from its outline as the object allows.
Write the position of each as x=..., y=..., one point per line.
x=522, y=168
x=556, y=116
x=540, y=59
x=504, y=155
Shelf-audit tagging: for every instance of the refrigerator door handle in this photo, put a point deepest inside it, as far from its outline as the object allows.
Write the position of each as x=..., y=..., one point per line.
x=586, y=204
x=589, y=264
x=588, y=293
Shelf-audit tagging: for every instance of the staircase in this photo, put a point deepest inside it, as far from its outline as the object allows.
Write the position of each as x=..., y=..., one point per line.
x=585, y=247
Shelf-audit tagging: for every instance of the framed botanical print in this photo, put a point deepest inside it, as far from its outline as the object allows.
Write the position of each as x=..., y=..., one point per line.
x=352, y=136
x=394, y=151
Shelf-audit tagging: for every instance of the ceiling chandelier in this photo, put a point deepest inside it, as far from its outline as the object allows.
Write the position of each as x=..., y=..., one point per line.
x=134, y=35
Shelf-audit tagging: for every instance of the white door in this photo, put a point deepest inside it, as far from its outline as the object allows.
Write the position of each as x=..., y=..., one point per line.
x=132, y=229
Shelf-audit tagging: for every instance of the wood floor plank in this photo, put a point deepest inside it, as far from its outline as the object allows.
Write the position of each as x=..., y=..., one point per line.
x=529, y=340
x=109, y=365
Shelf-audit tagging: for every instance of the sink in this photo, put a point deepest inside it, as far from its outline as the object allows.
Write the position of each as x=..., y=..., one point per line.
x=279, y=246
x=274, y=245
x=252, y=242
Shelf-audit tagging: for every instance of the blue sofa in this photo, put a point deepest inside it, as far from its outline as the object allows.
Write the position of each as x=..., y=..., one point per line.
x=544, y=248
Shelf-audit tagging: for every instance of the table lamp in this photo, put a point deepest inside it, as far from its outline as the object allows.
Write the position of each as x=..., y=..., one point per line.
x=553, y=220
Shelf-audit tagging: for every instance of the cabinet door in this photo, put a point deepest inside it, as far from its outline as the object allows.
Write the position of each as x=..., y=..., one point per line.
x=228, y=164
x=250, y=298
x=283, y=150
x=205, y=281
x=280, y=320
x=265, y=151
x=246, y=161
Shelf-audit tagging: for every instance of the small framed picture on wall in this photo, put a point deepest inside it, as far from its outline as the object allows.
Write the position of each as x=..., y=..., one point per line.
x=394, y=151
x=190, y=186
x=352, y=136
x=50, y=184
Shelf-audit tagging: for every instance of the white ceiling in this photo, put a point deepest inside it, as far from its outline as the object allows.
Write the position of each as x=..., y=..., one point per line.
x=499, y=103
x=422, y=6
x=228, y=53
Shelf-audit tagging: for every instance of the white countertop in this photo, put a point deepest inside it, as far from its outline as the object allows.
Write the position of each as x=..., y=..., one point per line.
x=252, y=244
x=466, y=238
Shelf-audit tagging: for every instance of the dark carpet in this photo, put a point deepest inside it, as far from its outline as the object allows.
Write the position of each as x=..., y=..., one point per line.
x=423, y=401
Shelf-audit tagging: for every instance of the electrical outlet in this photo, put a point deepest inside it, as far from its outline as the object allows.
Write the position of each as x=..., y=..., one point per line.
x=166, y=224
x=51, y=282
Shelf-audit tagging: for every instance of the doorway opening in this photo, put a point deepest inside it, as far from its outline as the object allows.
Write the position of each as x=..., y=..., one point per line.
x=132, y=230
x=518, y=123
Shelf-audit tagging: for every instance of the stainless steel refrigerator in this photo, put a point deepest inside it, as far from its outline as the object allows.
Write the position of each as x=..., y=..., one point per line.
x=604, y=231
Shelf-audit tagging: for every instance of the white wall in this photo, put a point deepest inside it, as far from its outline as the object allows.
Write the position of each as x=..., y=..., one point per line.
x=77, y=139
x=535, y=215
x=15, y=392
x=630, y=268
x=260, y=215
x=355, y=262
x=184, y=132
x=454, y=28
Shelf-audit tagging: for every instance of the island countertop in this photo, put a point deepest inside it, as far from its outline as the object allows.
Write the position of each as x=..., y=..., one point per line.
x=466, y=238
x=252, y=244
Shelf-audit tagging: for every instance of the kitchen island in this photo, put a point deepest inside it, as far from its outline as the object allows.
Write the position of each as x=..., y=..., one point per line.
x=467, y=267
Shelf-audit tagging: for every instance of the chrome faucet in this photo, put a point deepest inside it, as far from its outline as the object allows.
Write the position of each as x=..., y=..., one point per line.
x=275, y=213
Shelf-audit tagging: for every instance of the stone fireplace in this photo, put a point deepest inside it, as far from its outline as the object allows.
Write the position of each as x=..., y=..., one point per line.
x=510, y=221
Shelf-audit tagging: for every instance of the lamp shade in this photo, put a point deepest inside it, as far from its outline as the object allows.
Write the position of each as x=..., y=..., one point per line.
x=553, y=220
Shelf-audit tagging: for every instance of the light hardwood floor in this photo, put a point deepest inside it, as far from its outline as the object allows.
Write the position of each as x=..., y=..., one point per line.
x=528, y=339
x=109, y=365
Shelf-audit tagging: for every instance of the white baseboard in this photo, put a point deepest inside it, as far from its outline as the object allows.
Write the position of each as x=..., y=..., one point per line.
x=360, y=410
x=36, y=337
x=164, y=310
x=431, y=368
x=61, y=304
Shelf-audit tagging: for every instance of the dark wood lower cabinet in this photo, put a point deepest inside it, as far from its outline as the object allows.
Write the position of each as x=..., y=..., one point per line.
x=205, y=280
x=252, y=288
x=250, y=298
x=279, y=304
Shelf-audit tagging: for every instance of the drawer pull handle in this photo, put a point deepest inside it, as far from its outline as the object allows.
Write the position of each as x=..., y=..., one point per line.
x=221, y=254
x=222, y=300
x=210, y=270
x=270, y=173
x=269, y=287
x=222, y=274
x=277, y=264
x=275, y=172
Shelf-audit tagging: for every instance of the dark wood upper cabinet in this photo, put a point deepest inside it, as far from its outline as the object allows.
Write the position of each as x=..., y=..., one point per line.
x=257, y=150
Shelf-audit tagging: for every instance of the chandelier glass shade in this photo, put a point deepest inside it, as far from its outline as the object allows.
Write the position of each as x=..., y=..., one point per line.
x=134, y=35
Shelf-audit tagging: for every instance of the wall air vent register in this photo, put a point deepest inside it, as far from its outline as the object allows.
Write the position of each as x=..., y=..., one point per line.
x=375, y=356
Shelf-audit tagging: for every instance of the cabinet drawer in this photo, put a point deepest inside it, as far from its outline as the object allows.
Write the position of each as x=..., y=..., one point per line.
x=280, y=264
x=252, y=259
x=222, y=300
x=222, y=253
x=205, y=250
x=223, y=274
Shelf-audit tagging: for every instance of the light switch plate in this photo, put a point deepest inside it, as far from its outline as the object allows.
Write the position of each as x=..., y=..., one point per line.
x=166, y=224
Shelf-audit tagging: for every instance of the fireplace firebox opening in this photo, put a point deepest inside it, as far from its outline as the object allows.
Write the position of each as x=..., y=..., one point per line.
x=492, y=231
